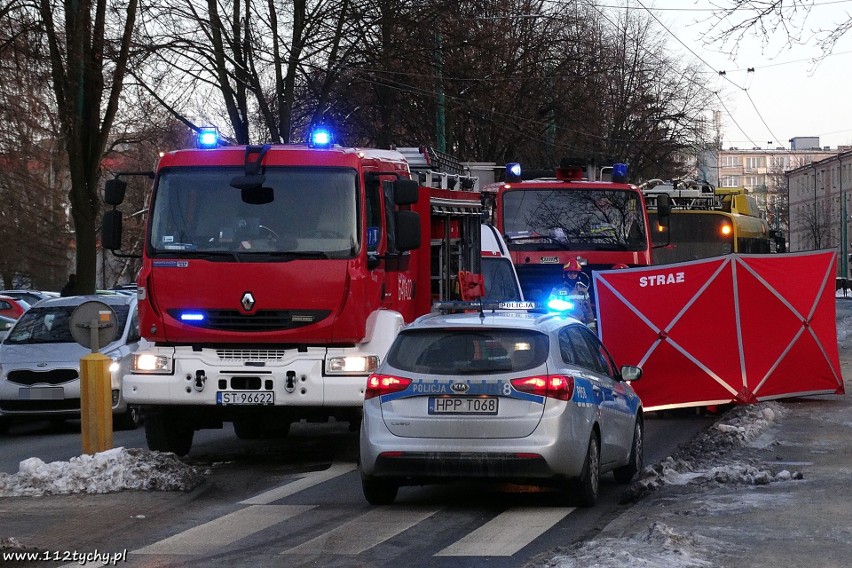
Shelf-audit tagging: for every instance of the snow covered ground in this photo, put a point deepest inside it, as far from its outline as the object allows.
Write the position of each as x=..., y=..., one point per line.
x=705, y=461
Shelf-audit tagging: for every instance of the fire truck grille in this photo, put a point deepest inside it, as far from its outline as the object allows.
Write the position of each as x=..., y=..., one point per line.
x=54, y=377
x=264, y=320
x=238, y=355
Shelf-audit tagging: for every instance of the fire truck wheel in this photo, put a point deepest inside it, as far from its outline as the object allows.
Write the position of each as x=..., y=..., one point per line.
x=130, y=420
x=165, y=433
x=248, y=428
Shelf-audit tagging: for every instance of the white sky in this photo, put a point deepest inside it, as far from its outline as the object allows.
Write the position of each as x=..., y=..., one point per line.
x=787, y=95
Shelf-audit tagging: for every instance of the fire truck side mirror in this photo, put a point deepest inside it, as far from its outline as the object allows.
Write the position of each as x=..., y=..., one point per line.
x=114, y=191
x=407, y=230
x=405, y=192
x=111, y=230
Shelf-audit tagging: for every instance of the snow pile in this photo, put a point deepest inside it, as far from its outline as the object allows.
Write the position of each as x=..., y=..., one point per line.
x=11, y=543
x=706, y=459
x=658, y=545
x=105, y=472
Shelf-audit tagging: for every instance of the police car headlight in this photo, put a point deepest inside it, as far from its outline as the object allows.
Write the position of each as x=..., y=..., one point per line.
x=351, y=365
x=148, y=363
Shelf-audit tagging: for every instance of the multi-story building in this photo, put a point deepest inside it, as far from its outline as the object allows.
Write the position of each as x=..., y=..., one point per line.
x=819, y=205
x=761, y=171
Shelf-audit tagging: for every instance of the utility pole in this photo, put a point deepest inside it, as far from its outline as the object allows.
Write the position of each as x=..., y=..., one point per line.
x=440, y=120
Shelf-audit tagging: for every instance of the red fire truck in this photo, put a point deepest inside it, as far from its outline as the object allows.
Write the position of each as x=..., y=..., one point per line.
x=275, y=277
x=549, y=219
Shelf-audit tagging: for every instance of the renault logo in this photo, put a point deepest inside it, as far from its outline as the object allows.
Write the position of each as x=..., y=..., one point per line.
x=247, y=302
x=459, y=387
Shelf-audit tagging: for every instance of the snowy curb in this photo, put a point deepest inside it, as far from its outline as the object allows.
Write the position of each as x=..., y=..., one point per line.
x=703, y=459
x=658, y=545
x=114, y=470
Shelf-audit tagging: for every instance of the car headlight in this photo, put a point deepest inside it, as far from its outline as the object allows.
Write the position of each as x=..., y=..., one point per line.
x=351, y=365
x=115, y=361
x=149, y=363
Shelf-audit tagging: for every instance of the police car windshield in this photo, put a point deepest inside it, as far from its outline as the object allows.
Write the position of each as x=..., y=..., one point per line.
x=464, y=352
x=196, y=212
x=573, y=219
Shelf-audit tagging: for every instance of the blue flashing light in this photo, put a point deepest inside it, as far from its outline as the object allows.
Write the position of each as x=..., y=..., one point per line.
x=321, y=137
x=192, y=316
x=513, y=171
x=560, y=305
x=208, y=137
x=619, y=173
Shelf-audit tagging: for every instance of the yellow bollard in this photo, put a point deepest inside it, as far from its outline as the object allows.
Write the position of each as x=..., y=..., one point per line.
x=95, y=403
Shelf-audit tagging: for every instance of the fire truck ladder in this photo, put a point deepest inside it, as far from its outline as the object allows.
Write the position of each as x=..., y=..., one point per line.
x=438, y=169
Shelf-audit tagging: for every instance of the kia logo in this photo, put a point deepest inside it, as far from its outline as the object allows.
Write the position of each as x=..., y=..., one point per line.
x=459, y=387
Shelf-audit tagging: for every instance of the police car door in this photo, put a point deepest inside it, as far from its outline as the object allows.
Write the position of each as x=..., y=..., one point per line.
x=612, y=420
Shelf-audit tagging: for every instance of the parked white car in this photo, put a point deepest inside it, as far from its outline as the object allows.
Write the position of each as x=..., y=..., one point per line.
x=5, y=325
x=40, y=361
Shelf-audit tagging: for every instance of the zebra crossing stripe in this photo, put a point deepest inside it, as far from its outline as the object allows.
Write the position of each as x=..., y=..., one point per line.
x=294, y=487
x=225, y=530
x=365, y=532
x=508, y=532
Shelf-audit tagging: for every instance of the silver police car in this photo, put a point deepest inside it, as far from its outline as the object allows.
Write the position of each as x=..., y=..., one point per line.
x=499, y=395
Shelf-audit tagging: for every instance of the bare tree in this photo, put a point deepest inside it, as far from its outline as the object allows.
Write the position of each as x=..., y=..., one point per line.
x=33, y=221
x=521, y=80
x=816, y=225
x=88, y=44
x=254, y=56
x=733, y=20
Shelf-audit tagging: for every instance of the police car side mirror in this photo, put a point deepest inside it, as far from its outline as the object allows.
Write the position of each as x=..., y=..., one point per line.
x=630, y=373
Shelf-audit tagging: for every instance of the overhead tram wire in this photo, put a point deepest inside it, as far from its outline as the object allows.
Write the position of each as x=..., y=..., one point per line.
x=722, y=74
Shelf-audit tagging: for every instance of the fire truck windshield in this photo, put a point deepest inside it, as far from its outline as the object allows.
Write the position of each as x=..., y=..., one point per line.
x=305, y=211
x=573, y=219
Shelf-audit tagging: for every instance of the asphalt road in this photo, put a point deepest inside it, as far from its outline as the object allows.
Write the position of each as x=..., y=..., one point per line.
x=300, y=497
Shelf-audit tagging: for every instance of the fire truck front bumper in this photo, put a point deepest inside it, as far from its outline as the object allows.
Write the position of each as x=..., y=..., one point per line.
x=244, y=377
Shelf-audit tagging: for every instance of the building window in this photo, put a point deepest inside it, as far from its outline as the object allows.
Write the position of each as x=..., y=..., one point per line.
x=754, y=162
x=781, y=162
x=751, y=182
x=730, y=181
x=730, y=161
